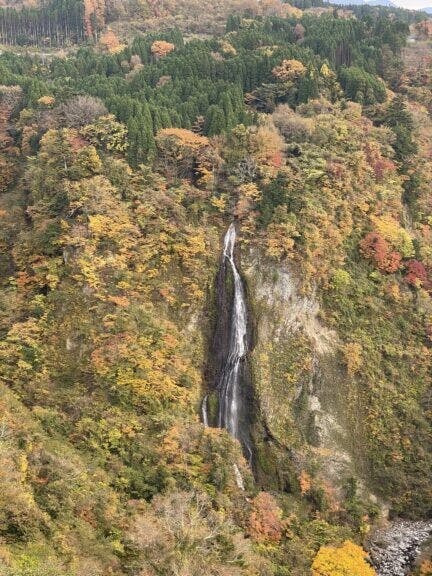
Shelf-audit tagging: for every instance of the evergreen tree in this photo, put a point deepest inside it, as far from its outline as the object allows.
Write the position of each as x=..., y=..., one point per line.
x=215, y=121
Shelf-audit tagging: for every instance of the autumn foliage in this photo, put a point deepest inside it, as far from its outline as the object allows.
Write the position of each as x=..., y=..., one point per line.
x=416, y=274
x=161, y=48
x=289, y=70
x=94, y=17
x=110, y=42
x=265, y=520
x=345, y=560
x=377, y=250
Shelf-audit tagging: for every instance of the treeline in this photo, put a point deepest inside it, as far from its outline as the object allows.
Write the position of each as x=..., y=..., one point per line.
x=352, y=41
x=203, y=85
x=372, y=40
x=56, y=24
x=363, y=11
x=199, y=85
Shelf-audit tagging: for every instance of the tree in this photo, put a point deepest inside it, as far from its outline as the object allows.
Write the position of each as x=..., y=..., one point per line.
x=265, y=520
x=395, y=234
x=181, y=152
x=106, y=133
x=87, y=163
x=110, y=41
x=416, y=274
x=82, y=110
x=7, y=174
x=352, y=352
x=215, y=121
x=399, y=119
x=292, y=126
x=345, y=560
x=299, y=31
x=361, y=86
x=161, y=48
x=289, y=70
x=376, y=248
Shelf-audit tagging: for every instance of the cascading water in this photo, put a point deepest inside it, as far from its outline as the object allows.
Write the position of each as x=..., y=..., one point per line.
x=204, y=410
x=230, y=350
x=229, y=393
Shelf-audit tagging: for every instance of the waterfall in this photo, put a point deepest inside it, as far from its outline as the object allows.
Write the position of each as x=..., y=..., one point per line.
x=204, y=411
x=229, y=385
x=228, y=354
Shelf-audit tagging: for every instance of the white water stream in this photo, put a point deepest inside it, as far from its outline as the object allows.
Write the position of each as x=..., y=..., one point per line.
x=229, y=387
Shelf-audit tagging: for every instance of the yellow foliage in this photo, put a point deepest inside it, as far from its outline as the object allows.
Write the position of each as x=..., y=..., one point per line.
x=325, y=70
x=46, y=101
x=281, y=234
x=292, y=11
x=345, y=560
x=227, y=48
x=219, y=202
x=186, y=137
x=353, y=356
x=289, y=70
x=392, y=231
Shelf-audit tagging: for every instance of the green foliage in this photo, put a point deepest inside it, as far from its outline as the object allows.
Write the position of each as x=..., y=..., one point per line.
x=362, y=87
x=111, y=241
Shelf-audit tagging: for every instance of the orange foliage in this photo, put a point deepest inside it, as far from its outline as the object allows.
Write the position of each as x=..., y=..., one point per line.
x=161, y=48
x=426, y=568
x=110, y=41
x=76, y=141
x=375, y=248
x=94, y=17
x=186, y=137
x=120, y=301
x=265, y=524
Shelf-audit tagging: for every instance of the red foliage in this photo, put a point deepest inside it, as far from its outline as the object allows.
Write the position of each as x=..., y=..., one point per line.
x=416, y=274
x=375, y=248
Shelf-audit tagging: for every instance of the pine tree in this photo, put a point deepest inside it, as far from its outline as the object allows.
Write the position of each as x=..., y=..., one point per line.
x=215, y=121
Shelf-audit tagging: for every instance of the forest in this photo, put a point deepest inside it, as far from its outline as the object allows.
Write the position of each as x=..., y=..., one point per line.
x=123, y=160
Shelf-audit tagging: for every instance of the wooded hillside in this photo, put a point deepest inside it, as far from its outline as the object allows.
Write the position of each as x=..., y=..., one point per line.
x=121, y=168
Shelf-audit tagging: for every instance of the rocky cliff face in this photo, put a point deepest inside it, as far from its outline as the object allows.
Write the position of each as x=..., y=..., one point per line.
x=300, y=381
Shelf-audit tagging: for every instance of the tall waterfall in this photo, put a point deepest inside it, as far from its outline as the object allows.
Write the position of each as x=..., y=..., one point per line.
x=229, y=385
x=228, y=367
